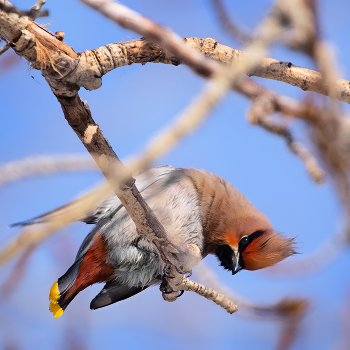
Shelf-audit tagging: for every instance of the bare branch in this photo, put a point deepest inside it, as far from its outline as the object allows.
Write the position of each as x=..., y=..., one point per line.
x=269, y=68
x=35, y=10
x=4, y=48
x=288, y=310
x=210, y=294
x=227, y=23
x=66, y=72
x=282, y=308
x=14, y=277
x=167, y=39
x=47, y=49
x=33, y=13
x=134, y=53
x=36, y=234
x=28, y=167
x=143, y=51
x=46, y=52
x=176, y=283
x=259, y=115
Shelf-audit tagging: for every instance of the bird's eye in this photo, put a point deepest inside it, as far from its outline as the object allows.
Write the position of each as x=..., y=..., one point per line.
x=245, y=240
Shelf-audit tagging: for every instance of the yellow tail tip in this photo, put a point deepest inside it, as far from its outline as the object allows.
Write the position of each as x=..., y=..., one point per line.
x=54, y=293
x=56, y=310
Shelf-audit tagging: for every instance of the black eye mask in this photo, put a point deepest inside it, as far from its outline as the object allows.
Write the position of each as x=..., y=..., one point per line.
x=243, y=244
x=226, y=254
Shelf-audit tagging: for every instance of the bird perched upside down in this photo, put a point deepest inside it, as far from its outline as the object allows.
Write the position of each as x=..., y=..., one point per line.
x=199, y=207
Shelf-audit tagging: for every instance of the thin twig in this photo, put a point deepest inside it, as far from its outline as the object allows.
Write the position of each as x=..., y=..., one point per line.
x=90, y=134
x=35, y=10
x=4, y=48
x=153, y=149
x=226, y=22
x=14, y=277
x=79, y=116
x=259, y=115
x=32, y=166
x=210, y=294
x=36, y=234
x=280, y=309
x=9, y=8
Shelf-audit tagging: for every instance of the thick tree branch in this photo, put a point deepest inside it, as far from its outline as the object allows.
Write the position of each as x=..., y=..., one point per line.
x=143, y=51
x=55, y=59
x=269, y=68
x=132, y=53
x=79, y=118
x=87, y=69
x=66, y=72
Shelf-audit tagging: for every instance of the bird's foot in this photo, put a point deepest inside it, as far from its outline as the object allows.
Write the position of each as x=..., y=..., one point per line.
x=164, y=287
x=166, y=272
x=181, y=292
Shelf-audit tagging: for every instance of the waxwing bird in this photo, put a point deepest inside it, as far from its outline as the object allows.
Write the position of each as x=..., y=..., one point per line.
x=199, y=207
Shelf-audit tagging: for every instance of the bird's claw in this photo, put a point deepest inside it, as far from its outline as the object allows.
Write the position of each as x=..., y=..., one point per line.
x=180, y=293
x=168, y=292
x=166, y=272
x=164, y=287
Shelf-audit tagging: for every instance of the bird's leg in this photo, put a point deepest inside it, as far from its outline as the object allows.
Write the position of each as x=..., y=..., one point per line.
x=173, y=276
x=164, y=287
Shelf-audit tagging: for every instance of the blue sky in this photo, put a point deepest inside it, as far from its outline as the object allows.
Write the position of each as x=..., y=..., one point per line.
x=132, y=105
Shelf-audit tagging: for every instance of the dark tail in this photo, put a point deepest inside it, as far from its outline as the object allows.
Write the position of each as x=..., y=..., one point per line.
x=112, y=293
x=60, y=295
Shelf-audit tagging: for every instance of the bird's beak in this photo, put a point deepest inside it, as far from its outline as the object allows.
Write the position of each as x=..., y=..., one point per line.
x=236, y=266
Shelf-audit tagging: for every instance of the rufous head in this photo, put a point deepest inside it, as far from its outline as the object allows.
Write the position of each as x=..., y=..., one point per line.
x=234, y=230
x=252, y=244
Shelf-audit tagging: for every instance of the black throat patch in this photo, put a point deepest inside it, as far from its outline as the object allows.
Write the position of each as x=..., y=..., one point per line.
x=225, y=255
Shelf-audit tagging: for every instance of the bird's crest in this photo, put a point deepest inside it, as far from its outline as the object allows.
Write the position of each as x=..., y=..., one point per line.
x=268, y=249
